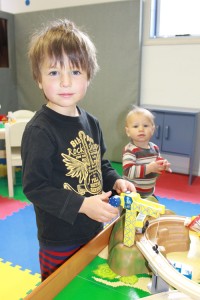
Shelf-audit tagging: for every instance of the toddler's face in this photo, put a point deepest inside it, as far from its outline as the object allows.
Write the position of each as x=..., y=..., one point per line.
x=140, y=129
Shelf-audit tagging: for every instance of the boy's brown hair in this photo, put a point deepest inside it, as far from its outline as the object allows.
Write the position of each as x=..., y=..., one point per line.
x=58, y=38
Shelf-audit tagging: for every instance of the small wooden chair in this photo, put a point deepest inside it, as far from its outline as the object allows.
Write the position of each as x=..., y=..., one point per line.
x=13, y=137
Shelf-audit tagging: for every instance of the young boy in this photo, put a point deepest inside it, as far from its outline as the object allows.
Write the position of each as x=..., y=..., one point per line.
x=141, y=158
x=64, y=173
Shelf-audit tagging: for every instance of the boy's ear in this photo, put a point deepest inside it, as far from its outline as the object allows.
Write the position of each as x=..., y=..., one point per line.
x=40, y=85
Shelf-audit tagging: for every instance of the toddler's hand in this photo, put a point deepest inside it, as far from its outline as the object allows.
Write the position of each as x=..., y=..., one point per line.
x=155, y=167
x=165, y=164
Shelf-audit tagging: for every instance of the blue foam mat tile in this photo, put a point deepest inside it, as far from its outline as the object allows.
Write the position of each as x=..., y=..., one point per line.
x=19, y=244
x=182, y=208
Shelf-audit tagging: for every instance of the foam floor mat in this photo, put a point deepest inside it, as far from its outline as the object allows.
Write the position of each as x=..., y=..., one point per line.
x=19, y=263
x=19, y=244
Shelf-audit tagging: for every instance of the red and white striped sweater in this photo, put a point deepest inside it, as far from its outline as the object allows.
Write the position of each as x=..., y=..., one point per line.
x=134, y=161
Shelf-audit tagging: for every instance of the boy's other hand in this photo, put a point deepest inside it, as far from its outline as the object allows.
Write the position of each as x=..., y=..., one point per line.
x=98, y=208
x=122, y=186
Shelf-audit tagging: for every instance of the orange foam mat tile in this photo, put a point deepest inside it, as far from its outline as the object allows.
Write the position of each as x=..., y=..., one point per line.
x=16, y=283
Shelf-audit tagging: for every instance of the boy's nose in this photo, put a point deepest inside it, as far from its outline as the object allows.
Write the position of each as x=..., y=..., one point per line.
x=66, y=80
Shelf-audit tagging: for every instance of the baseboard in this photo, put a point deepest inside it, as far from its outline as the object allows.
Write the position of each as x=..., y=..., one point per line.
x=180, y=164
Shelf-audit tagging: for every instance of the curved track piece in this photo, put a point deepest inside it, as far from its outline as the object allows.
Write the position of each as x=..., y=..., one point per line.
x=158, y=262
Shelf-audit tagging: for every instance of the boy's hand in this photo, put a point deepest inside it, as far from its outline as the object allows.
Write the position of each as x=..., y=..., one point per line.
x=98, y=208
x=122, y=186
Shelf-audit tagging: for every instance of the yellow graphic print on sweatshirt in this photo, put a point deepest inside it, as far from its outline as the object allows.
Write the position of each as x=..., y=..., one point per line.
x=83, y=162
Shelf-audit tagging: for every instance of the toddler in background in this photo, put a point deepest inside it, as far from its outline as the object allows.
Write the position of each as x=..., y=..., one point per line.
x=141, y=160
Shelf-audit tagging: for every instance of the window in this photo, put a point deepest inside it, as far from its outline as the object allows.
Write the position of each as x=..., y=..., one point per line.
x=175, y=18
x=171, y=22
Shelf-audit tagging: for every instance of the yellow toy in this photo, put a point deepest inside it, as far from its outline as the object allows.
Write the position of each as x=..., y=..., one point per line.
x=133, y=203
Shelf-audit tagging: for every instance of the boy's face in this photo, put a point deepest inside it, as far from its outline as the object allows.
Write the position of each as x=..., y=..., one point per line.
x=63, y=86
x=140, y=129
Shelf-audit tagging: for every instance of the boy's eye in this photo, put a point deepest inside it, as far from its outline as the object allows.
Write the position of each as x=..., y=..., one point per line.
x=76, y=72
x=135, y=126
x=53, y=73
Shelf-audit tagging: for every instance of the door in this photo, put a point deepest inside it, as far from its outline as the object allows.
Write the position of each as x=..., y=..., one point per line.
x=158, y=134
x=178, y=130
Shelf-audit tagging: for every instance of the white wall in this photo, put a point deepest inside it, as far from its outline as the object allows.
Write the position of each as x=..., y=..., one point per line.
x=171, y=75
x=19, y=6
x=170, y=68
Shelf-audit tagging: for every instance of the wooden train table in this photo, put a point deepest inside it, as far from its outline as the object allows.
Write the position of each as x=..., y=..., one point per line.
x=73, y=280
x=87, y=275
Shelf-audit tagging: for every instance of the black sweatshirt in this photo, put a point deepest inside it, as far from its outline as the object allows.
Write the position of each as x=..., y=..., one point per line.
x=63, y=163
